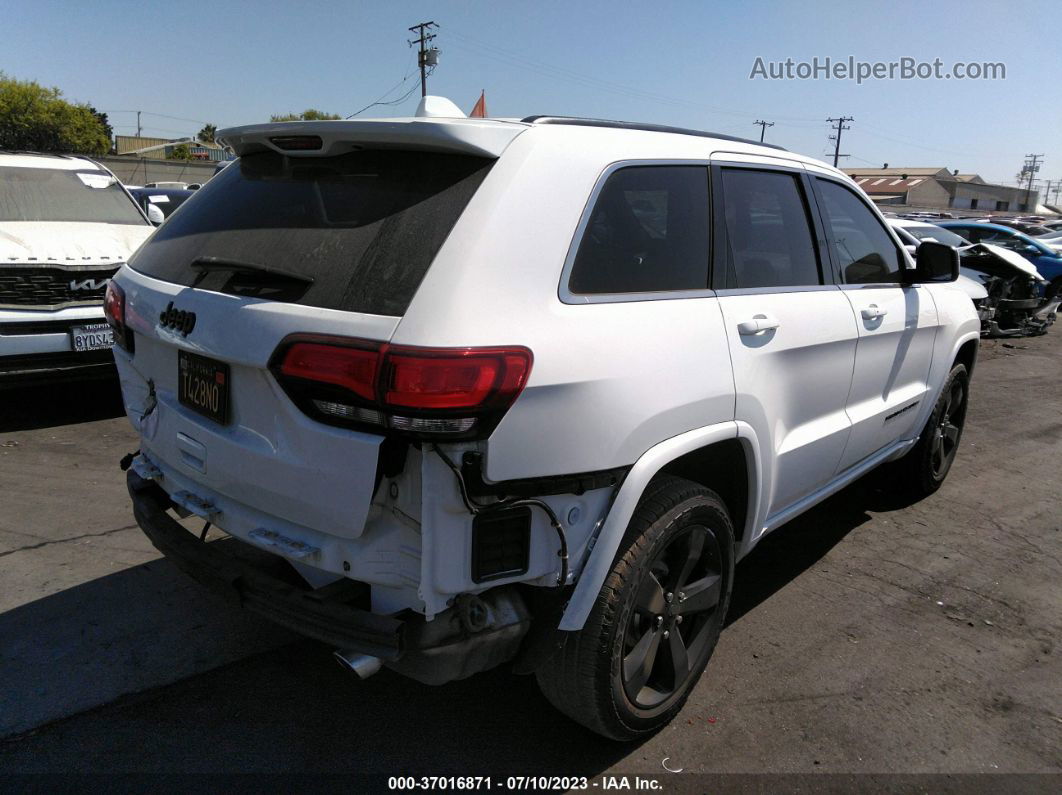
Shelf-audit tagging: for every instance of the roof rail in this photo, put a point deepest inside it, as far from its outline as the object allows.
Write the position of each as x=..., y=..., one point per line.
x=631, y=125
x=38, y=154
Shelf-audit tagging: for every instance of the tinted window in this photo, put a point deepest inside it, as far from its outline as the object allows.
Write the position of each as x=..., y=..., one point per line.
x=647, y=232
x=363, y=226
x=864, y=251
x=769, y=241
x=972, y=233
x=48, y=194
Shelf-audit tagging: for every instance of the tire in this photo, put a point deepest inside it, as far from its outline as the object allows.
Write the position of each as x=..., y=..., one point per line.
x=680, y=537
x=927, y=464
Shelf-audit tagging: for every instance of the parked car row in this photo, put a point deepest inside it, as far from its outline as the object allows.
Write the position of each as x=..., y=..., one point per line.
x=1014, y=282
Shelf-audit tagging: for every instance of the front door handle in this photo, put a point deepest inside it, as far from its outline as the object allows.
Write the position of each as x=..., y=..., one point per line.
x=873, y=312
x=757, y=324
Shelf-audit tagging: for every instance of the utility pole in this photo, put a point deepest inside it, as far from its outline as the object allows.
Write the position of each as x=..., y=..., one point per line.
x=763, y=127
x=425, y=57
x=1032, y=165
x=138, y=124
x=837, y=138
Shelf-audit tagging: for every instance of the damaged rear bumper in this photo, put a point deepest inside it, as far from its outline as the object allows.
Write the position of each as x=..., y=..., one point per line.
x=479, y=633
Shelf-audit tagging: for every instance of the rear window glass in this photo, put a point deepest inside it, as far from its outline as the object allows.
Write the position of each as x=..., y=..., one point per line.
x=48, y=194
x=648, y=232
x=355, y=232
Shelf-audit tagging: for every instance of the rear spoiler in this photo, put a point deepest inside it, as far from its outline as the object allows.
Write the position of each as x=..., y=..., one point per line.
x=479, y=137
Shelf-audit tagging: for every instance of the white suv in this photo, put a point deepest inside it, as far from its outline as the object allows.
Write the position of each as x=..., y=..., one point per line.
x=66, y=225
x=522, y=392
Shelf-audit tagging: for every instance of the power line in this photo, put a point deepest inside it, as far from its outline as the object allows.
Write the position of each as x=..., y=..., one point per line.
x=837, y=138
x=159, y=115
x=560, y=73
x=380, y=101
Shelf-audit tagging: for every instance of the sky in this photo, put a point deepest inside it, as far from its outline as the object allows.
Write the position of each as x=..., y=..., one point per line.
x=680, y=63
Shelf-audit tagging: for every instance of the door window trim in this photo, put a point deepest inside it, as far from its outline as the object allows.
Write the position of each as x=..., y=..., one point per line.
x=565, y=294
x=719, y=236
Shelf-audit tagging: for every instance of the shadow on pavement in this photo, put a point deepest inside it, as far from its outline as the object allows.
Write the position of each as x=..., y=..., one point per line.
x=62, y=403
x=795, y=547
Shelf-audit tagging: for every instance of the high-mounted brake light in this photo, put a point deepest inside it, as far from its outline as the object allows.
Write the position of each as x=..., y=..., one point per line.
x=114, y=312
x=291, y=143
x=452, y=392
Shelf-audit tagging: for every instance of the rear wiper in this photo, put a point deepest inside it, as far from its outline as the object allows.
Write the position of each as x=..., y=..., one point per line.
x=207, y=265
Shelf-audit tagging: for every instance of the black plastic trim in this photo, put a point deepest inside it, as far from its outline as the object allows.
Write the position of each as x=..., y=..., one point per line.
x=513, y=522
x=578, y=483
x=316, y=614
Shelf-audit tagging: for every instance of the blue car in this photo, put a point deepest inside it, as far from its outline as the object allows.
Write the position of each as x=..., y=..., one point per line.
x=1045, y=259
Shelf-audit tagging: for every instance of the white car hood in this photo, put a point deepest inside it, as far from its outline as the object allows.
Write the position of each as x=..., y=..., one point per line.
x=1012, y=258
x=69, y=243
x=970, y=285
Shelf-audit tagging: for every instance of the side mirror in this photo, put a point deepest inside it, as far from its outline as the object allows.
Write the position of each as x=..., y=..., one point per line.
x=155, y=214
x=935, y=263
x=1031, y=250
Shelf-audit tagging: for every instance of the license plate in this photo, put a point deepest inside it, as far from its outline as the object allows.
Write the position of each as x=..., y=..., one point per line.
x=203, y=385
x=97, y=337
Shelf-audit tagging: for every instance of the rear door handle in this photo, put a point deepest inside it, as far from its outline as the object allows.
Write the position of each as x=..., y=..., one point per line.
x=873, y=312
x=757, y=324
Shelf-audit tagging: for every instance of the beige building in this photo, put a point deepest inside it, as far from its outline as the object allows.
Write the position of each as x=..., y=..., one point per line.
x=160, y=148
x=940, y=189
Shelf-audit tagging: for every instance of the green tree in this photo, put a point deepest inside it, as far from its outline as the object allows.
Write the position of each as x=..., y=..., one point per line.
x=207, y=133
x=107, y=129
x=307, y=115
x=180, y=152
x=37, y=118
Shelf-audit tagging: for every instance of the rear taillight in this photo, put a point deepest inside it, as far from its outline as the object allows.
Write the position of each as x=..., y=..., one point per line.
x=448, y=392
x=114, y=311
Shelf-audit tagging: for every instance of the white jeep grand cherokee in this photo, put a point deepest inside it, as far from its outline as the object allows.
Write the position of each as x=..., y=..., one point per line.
x=66, y=226
x=462, y=392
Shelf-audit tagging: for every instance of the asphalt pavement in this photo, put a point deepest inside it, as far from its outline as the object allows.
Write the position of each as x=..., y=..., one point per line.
x=869, y=636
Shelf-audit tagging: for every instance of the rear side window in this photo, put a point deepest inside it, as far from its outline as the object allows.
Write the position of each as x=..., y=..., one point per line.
x=50, y=194
x=769, y=240
x=647, y=232
x=862, y=248
x=356, y=232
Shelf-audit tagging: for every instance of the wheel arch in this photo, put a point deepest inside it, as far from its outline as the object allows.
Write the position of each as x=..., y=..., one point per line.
x=722, y=457
x=967, y=355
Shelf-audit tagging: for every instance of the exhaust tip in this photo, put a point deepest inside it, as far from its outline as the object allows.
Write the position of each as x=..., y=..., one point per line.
x=364, y=665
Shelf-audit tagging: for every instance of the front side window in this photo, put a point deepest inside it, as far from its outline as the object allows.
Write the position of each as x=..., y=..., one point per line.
x=769, y=240
x=864, y=251
x=51, y=194
x=972, y=233
x=647, y=232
